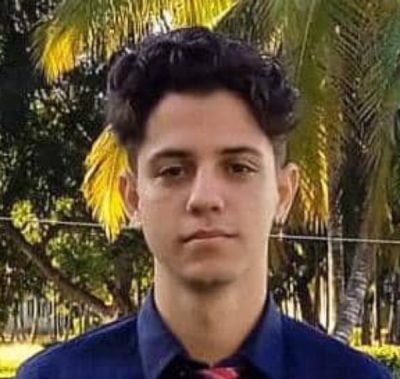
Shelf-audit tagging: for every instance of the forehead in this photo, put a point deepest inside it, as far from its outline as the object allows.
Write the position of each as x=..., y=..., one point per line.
x=203, y=123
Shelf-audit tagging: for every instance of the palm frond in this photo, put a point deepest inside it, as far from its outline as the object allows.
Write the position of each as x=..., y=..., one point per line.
x=251, y=21
x=98, y=28
x=376, y=214
x=279, y=25
x=308, y=147
x=367, y=50
x=315, y=142
x=105, y=164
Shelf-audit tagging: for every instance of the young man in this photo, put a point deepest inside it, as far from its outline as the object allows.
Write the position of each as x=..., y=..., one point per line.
x=205, y=120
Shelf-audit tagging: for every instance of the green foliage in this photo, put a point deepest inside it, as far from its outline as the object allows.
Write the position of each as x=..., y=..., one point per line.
x=100, y=26
x=389, y=355
x=17, y=278
x=83, y=256
x=64, y=206
x=45, y=133
x=26, y=220
x=342, y=56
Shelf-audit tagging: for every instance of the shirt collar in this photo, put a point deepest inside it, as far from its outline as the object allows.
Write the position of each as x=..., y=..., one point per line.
x=157, y=345
x=263, y=349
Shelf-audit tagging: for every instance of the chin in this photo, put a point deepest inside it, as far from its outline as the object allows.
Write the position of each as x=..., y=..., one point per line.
x=204, y=286
x=205, y=281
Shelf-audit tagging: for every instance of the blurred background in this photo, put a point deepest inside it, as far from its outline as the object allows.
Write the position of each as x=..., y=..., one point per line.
x=337, y=266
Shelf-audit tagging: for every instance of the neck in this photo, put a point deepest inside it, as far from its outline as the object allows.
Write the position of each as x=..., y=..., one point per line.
x=211, y=324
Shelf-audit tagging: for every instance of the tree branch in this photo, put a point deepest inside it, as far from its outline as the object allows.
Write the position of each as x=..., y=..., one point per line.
x=37, y=254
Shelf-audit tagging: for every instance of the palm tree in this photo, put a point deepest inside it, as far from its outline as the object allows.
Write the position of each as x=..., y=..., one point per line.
x=370, y=92
x=341, y=54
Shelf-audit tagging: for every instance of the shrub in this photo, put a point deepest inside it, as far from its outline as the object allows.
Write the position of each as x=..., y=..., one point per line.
x=389, y=355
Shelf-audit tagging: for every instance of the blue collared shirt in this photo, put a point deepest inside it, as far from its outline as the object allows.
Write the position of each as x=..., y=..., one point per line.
x=142, y=347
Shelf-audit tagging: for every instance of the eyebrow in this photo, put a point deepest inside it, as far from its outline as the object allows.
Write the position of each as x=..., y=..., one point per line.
x=185, y=154
x=236, y=150
x=170, y=153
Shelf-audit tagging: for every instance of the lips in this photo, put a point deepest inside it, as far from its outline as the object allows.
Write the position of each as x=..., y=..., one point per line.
x=207, y=234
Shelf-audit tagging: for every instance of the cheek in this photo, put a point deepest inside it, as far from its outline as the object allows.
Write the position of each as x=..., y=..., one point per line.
x=150, y=200
x=260, y=211
x=259, y=222
x=158, y=213
x=157, y=231
x=152, y=211
x=262, y=199
x=261, y=214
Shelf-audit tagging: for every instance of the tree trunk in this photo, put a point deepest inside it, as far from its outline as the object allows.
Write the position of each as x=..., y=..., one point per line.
x=54, y=318
x=397, y=310
x=121, y=287
x=366, y=336
x=14, y=330
x=335, y=266
x=317, y=293
x=391, y=320
x=397, y=321
x=35, y=321
x=81, y=311
x=86, y=319
x=67, y=326
x=21, y=319
x=394, y=317
x=306, y=303
x=335, y=254
x=350, y=307
x=377, y=302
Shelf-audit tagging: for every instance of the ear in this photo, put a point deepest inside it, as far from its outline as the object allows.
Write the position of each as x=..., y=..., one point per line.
x=127, y=188
x=288, y=182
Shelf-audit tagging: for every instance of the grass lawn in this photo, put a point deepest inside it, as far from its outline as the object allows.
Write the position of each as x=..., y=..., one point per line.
x=12, y=355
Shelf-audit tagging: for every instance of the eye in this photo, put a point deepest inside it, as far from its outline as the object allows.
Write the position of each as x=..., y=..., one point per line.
x=171, y=172
x=238, y=168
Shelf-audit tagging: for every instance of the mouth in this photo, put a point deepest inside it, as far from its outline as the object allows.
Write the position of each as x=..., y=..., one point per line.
x=207, y=235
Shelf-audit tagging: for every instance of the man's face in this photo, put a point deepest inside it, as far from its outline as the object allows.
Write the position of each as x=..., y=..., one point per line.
x=207, y=189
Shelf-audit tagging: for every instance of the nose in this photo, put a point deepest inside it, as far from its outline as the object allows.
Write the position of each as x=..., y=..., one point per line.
x=205, y=193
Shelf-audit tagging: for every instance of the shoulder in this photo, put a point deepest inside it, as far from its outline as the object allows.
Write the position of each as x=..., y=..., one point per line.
x=314, y=351
x=83, y=354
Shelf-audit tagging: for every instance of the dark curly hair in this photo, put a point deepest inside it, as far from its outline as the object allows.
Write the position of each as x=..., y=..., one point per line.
x=196, y=59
